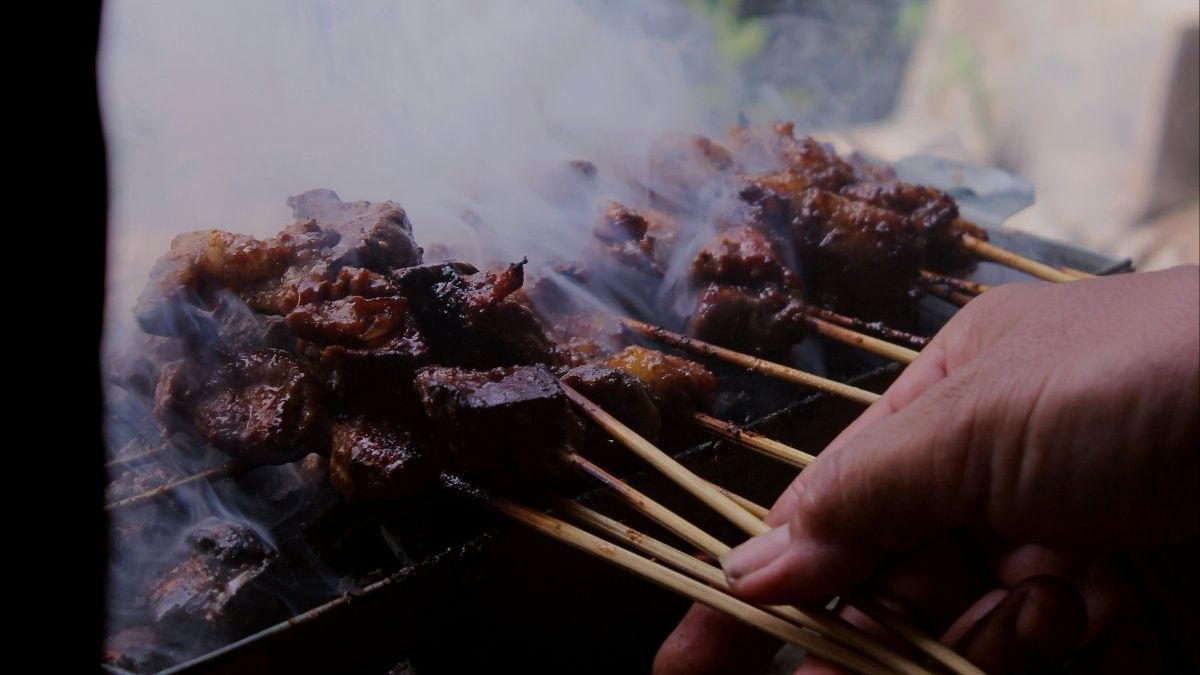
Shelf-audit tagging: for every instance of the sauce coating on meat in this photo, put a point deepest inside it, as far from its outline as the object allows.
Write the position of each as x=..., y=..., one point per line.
x=620, y=394
x=263, y=406
x=680, y=385
x=765, y=320
x=374, y=460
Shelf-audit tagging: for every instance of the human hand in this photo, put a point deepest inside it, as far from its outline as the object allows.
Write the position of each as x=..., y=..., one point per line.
x=1028, y=489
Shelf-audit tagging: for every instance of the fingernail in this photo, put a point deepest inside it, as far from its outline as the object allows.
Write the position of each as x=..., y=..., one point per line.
x=755, y=553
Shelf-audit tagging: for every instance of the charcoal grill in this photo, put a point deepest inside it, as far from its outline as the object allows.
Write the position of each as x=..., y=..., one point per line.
x=497, y=597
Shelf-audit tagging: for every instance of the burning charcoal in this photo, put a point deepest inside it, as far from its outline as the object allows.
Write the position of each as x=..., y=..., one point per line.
x=262, y=406
x=681, y=386
x=137, y=650
x=220, y=587
x=378, y=461
x=469, y=318
x=857, y=258
x=503, y=424
x=620, y=394
x=766, y=320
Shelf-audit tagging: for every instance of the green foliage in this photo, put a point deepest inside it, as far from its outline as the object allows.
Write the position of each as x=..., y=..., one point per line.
x=738, y=38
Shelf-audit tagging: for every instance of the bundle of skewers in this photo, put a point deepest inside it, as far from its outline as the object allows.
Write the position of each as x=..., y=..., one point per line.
x=338, y=347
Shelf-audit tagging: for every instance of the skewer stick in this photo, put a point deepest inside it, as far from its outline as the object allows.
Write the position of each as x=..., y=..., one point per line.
x=753, y=363
x=757, y=510
x=643, y=504
x=820, y=620
x=683, y=528
x=170, y=486
x=949, y=295
x=965, y=285
x=986, y=249
x=686, y=586
x=943, y=654
x=130, y=459
x=876, y=327
x=860, y=341
x=1078, y=274
x=755, y=441
x=667, y=465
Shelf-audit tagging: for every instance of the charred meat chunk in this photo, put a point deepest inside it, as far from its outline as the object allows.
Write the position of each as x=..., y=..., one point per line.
x=262, y=407
x=469, y=318
x=220, y=588
x=640, y=239
x=687, y=172
x=765, y=320
x=137, y=649
x=504, y=425
x=681, y=386
x=740, y=255
x=377, y=236
x=930, y=209
x=858, y=258
x=620, y=394
x=377, y=461
x=366, y=349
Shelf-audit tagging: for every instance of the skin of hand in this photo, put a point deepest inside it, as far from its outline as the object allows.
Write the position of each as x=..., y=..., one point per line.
x=1028, y=489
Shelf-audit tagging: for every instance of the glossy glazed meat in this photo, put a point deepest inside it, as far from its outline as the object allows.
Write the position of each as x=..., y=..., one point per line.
x=620, y=394
x=680, y=386
x=373, y=460
x=262, y=407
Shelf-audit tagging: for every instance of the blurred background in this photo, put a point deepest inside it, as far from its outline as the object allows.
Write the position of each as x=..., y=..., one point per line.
x=1096, y=102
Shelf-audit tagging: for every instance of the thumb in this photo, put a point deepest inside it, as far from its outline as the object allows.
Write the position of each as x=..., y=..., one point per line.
x=895, y=483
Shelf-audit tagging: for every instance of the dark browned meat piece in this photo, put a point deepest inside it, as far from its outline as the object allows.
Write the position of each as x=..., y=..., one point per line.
x=468, y=318
x=640, y=239
x=503, y=425
x=740, y=255
x=377, y=236
x=765, y=320
x=681, y=386
x=262, y=407
x=377, y=461
x=587, y=338
x=857, y=258
x=220, y=586
x=366, y=349
x=932, y=210
x=134, y=480
x=620, y=394
x=687, y=172
x=136, y=649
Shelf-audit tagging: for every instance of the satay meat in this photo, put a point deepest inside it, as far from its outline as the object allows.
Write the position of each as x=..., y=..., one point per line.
x=262, y=407
x=620, y=394
x=765, y=320
x=376, y=460
x=680, y=386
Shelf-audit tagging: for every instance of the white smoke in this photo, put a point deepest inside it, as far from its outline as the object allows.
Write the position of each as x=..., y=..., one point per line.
x=216, y=111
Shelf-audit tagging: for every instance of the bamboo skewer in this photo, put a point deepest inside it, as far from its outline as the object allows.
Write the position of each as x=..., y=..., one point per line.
x=864, y=342
x=757, y=510
x=1078, y=274
x=666, y=464
x=685, y=585
x=943, y=654
x=753, y=363
x=820, y=620
x=1016, y=261
x=130, y=459
x=949, y=295
x=755, y=441
x=643, y=504
x=859, y=325
x=170, y=486
x=965, y=285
